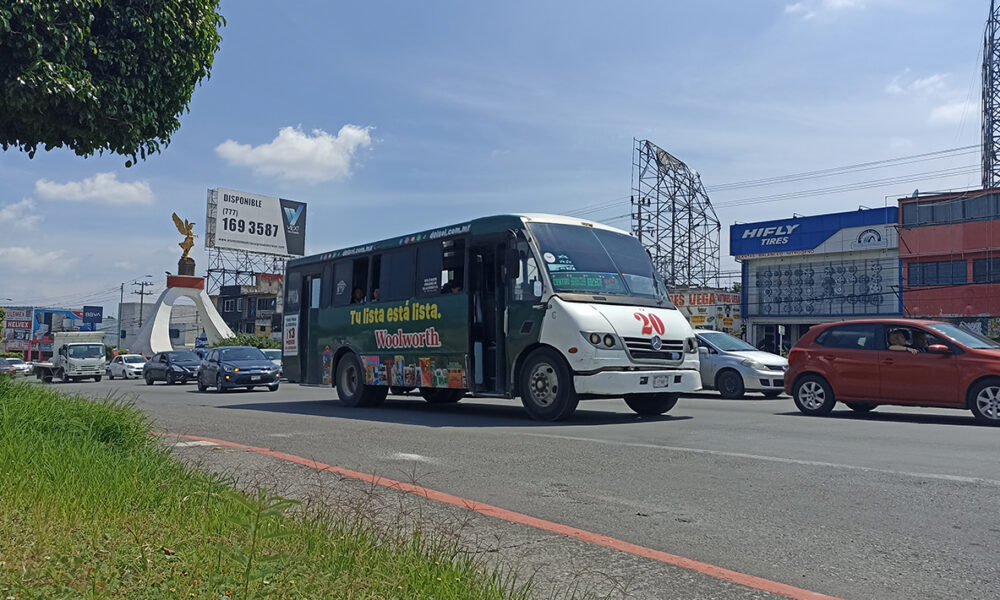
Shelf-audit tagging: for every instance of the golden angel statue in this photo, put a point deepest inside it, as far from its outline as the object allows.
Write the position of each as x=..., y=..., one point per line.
x=187, y=229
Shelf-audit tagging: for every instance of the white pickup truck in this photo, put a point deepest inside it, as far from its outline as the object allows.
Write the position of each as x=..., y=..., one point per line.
x=76, y=355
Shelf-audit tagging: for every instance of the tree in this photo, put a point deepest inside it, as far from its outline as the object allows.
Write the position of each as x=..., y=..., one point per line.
x=101, y=75
x=3, y=314
x=248, y=339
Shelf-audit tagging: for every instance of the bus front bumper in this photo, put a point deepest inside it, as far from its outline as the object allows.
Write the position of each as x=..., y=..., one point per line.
x=619, y=383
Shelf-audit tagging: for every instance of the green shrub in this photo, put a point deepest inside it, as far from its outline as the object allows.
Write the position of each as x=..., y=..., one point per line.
x=249, y=339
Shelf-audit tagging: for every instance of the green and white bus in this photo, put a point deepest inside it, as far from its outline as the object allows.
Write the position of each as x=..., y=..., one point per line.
x=549, y=308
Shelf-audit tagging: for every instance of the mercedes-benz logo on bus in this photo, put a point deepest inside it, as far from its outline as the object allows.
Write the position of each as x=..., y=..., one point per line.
x=656, y=343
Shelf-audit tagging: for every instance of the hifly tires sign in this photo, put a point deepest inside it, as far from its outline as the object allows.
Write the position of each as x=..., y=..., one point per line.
x=255, y=223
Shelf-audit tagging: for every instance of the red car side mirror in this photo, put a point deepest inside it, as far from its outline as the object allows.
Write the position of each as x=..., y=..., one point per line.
x=938, y=349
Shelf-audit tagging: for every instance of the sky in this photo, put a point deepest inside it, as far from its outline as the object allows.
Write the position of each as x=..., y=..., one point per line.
x=393, y=117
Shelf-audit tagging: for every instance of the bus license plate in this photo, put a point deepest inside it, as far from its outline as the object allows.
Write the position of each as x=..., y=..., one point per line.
x=660, y=381
x=254, y=377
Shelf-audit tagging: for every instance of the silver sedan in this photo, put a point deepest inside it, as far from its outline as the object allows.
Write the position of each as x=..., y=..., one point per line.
x=734, y=367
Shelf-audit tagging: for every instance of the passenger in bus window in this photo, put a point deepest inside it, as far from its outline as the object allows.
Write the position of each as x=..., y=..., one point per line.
x=357, y=296
x=375, y=295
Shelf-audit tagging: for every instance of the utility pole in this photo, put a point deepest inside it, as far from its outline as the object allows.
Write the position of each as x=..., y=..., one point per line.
x=991, y=99
x=121, y=324
x=141, y=293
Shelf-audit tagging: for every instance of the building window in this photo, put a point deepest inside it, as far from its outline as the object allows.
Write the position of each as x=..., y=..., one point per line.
x=986, y=270
x=265, y=303
x=949, y=272
x=957, y=210
x=229, y=305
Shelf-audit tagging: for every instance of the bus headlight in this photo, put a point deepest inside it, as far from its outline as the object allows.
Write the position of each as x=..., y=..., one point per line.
x=600, y=339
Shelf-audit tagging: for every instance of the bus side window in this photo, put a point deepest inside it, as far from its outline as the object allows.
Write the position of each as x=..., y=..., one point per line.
x=429, y=269
x=360, y=285
x=397, y=274
x=343, y=280
x=292, y=292
x=315, y=291
x=453, y=266
x=327, y=286
x=527, y=283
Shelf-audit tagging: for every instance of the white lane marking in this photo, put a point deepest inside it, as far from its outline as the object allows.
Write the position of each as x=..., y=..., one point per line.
x=413, y=457
x=778, y=459
x=194, y=443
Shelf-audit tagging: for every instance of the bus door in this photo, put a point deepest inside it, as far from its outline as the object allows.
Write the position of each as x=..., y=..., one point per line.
x=310, y=367
x=486, y=310
x=524, y=310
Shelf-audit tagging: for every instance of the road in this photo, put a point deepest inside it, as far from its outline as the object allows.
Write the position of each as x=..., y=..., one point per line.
x=902, y=503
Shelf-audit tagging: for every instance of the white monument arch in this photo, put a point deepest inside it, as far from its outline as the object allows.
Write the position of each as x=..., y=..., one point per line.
x=155, y=333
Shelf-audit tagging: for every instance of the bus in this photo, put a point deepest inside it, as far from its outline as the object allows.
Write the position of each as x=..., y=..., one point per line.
x=547, y=308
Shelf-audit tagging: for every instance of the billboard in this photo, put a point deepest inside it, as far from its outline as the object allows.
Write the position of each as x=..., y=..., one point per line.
x=872, y=229
x=47, y=321
x=16, y=331
x=255, y=223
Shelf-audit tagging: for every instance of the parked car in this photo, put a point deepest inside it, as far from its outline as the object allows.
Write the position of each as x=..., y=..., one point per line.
x=177, y=366
x=274, y=355
x=734, y=367
x=20, y=367
x=7, y=369
x=126, y=366
x=903, y=362
x=237, y=366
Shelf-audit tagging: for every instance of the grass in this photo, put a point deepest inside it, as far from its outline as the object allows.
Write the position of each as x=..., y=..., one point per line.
x=92, y=507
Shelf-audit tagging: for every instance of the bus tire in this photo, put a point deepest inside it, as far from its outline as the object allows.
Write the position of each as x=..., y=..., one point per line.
x=651, y=405
x=546, y=386
x=351, y=388
x=441, y=395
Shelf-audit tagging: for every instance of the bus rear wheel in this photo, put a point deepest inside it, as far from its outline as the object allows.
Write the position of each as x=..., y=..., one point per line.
x=546, y=386
x=351, y=387
x=441, y=395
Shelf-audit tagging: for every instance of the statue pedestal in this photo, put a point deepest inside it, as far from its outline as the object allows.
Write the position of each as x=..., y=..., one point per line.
x=185, y=266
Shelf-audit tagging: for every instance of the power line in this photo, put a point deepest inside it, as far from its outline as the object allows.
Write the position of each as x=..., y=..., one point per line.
x=868, y=166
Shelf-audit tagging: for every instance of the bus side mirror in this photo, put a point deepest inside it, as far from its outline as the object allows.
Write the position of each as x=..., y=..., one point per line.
x=512, y=263
x=536, y=288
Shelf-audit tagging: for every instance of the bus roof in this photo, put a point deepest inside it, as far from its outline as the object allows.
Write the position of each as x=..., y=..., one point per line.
x=482, y=225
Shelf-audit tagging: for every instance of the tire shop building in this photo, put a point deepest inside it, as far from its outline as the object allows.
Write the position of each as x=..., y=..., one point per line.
x=803, y=271
x=949, y=245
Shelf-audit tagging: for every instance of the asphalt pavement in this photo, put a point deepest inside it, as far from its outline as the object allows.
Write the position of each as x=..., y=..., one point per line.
x=901, y=503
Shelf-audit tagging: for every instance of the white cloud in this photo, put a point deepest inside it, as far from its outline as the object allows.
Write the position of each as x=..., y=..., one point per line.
x=27, y=260
x=954, y=112
x=103, y=188
x=930, y=85
x=808, y=9
x=296, y=155
x=20, y=214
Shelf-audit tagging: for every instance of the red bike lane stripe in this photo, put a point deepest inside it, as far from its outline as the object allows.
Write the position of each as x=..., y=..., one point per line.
x=743, y=579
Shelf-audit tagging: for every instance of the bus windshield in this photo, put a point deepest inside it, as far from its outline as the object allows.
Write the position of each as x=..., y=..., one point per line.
x=588, y=260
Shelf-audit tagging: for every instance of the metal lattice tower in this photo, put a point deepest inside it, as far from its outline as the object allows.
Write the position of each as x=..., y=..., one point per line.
x=991, y=99
x=673, y=218
x=234, y=267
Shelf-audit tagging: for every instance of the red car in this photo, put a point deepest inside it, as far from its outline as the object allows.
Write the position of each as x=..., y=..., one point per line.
x=906, y=362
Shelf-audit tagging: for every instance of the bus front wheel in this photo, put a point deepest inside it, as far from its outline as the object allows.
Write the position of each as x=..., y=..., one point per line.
x=546, y=386
x=651, y=405
x=351, y=387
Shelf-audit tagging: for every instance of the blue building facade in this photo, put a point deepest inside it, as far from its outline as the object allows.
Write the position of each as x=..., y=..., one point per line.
x=803, y=271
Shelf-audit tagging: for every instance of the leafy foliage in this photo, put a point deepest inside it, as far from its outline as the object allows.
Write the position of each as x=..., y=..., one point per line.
x=96, y=75
x=249, y=339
